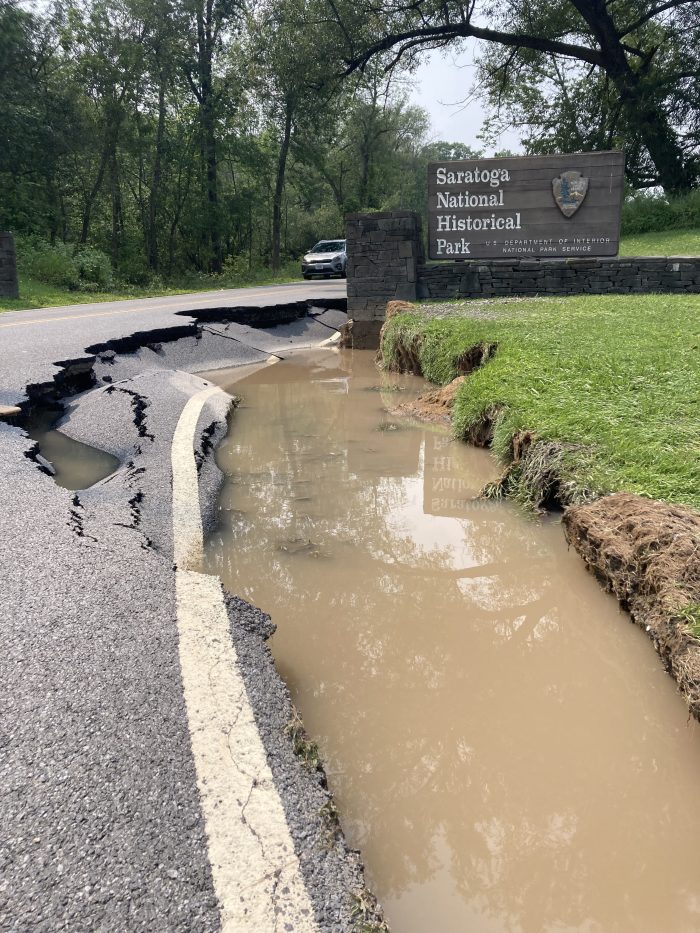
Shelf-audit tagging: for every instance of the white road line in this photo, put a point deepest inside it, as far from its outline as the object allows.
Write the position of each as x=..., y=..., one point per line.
x=256, y=872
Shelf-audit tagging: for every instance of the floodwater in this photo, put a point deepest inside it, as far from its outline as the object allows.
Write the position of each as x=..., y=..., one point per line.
x=503, y=745
x=77, y=466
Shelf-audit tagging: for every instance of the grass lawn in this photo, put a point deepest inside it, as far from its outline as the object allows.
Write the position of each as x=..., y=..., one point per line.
x=663, y=243
x=35, y=294
x=615, y=379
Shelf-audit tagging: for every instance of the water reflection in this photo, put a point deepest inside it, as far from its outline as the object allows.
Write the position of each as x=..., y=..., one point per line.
x=505, y=749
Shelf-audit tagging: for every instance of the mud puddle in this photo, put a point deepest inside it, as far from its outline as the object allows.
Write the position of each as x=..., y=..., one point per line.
x=503, y=745
x=76, y=465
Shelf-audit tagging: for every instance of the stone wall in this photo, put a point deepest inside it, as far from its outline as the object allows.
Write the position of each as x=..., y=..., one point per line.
x=487, y=278
x=385, y=262
x=8, y=267
x=384, y=253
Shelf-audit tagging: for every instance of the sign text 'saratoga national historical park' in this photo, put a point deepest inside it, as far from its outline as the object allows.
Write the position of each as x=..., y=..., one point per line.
x=522, y=206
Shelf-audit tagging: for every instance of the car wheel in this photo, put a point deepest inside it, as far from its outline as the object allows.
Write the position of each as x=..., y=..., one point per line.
x=306, y=275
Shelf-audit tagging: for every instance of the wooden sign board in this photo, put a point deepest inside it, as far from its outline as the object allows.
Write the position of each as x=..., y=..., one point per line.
x=525, y=207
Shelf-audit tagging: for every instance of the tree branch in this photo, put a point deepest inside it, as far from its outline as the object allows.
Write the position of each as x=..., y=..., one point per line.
x=650, y=14
x=463, y=30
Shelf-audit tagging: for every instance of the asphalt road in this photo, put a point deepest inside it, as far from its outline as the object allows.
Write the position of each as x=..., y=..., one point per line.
x=32, y=341
x=101, y=806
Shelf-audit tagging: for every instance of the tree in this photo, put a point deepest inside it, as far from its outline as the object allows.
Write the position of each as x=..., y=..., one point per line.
x=647, y=50
x=178, y=135
x=294, y=88
x=38, y=118
x=211, y=23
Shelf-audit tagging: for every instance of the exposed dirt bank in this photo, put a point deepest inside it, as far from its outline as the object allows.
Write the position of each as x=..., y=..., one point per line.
x=645, y=552
x=433, y=406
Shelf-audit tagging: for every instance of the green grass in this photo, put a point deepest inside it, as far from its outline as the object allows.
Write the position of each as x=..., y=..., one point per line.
x=36, y=294
x=663, y=243
x=689, y=616
x=614, y=379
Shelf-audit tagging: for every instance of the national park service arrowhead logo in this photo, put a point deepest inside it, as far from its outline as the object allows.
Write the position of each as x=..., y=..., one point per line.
x=570, y=190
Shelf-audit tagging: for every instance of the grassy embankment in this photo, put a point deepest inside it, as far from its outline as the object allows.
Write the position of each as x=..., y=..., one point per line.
x=37, y=294
x=608, y=385
x=662, y=243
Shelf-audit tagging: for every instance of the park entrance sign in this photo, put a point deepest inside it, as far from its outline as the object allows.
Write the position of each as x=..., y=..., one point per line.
x=526, y=206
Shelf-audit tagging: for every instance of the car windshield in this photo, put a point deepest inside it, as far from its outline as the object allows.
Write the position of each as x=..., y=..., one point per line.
x=329, y=246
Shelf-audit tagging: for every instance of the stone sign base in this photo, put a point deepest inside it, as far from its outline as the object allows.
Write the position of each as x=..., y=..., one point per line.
x=9, y=287
x=385, y=262
x=384, y=252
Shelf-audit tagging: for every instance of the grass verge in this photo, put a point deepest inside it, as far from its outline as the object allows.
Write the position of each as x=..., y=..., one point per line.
x=662, y=243
x=36, y=294
x=610, y=384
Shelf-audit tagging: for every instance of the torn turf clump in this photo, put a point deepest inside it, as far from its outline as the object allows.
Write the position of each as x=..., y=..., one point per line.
x=539, y=474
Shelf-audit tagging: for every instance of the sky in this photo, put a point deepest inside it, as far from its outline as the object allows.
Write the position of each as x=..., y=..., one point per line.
x=441, y=85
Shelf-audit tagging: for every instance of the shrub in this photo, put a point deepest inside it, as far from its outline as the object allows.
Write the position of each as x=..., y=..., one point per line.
x=325, y=223
x=133, y=269
x=94, y=267
x=54, y=265
x=63, y=264
x=236, y=267
x=643, y=212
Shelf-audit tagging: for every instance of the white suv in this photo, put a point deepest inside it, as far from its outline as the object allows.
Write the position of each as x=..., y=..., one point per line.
x=327, y=257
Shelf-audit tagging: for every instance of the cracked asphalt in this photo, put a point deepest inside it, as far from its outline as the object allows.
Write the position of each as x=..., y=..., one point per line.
x=102, y=825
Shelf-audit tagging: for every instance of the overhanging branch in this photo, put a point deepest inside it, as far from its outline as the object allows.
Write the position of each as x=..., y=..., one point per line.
x=463, y=30
x=650, y=14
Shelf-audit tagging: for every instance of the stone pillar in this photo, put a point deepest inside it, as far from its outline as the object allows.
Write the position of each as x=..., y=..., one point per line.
x=9, y=287
x=384, y=251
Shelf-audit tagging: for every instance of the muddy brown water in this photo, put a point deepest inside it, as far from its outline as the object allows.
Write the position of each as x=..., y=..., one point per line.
x=77, y=466
x=503, y=745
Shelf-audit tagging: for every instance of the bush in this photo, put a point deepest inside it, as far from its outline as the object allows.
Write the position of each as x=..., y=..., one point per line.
x=93, y=267
x=64, y=265
x=236, y=267
x=645, y=213
x=325, y=223
x=54, y=265
x=133, y=268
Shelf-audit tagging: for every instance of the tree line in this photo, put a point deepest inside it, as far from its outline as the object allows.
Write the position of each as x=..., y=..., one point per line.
x=225, y=135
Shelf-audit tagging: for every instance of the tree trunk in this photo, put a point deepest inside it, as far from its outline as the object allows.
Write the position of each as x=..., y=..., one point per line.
x=205, y=53
x=116, y=199
x=92, y=194
x=154, y=196
x=636, y=92
x=279, y=185
x=661, y=143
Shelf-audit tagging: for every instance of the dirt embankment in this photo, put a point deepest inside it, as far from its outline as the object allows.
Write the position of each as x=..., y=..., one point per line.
x=433, y=406
x=645, y=552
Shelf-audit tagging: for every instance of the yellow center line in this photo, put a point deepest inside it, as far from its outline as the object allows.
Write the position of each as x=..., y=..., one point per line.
x=162, y=307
